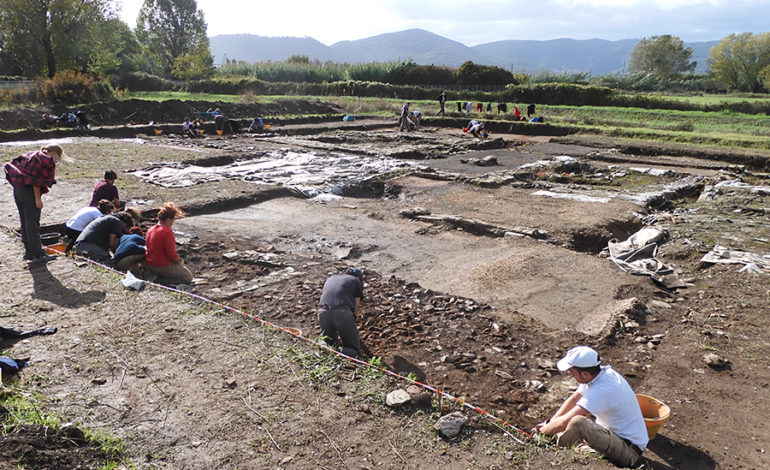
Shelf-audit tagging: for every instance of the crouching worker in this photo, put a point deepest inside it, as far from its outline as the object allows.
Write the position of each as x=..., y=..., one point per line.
x=102, y=235
x=338, y=307
x=618, y=433
x=129, y=255
x=78, y=222
x=162, y=258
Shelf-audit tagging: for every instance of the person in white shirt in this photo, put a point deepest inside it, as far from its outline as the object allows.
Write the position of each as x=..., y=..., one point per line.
x=618, y=433
x=83, y=217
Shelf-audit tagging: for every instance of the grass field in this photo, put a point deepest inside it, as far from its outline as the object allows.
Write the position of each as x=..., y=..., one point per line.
x=696, y=127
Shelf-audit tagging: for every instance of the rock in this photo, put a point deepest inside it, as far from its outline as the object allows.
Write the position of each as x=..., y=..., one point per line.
x=715, y=362
x=397, y=398
x=99, y=381
x=546, y=364
x=503, y=375
x=660, y=304
x=231, y=256
x=449, y=426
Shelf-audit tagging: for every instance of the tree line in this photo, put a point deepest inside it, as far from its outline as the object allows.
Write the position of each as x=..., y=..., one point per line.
x=40, y=38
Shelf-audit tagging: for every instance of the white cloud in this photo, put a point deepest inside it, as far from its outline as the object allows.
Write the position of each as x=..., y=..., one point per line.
x=484, y=20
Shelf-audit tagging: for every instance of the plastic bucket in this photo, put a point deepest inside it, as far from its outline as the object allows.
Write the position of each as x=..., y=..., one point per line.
x=51, y=238
x=158, y=131
x=654, y=412
x=220, y=132
x=267, y=126
x=200, y=132
x=57, y=249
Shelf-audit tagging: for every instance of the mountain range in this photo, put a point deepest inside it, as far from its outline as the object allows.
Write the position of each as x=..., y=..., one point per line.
x=593, y=56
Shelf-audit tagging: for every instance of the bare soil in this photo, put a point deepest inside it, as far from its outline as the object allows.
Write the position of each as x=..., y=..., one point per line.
x=191, y=385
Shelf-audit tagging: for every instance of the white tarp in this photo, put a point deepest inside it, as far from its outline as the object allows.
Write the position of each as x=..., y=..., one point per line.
x=752, y=262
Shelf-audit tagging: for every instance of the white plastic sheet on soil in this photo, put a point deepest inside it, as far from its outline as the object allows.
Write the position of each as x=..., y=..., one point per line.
x=307, y=172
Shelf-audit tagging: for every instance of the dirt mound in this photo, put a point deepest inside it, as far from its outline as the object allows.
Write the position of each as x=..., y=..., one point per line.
x=139, y=111
x=29, y=446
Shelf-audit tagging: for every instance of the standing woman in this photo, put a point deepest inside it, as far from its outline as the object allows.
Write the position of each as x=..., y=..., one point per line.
x=162, y=258
x=31, y=175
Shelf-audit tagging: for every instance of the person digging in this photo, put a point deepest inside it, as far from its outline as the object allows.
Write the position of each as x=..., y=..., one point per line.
x=337, y=311
x=619, y=433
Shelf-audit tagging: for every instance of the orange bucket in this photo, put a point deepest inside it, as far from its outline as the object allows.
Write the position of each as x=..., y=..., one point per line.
x=158, y=131
x=267, y=126
x=200, y=132
x=56, y=249
x=220, y=132
x=654, y=412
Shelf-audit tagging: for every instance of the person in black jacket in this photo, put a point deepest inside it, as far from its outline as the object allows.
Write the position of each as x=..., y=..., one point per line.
x=441, y=101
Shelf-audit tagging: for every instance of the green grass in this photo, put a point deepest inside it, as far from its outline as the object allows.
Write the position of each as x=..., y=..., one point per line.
x=22, y=406
x=716, y=99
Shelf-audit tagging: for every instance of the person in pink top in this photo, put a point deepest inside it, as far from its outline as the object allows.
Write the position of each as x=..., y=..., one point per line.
x=161, y=256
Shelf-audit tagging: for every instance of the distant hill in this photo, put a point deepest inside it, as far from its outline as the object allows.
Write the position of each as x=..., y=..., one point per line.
x=253, y=48
x=594, y=56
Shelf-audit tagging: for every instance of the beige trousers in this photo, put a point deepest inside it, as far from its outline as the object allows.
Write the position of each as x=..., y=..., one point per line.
x=132, y=263
x=601, y=439
x=172, y=274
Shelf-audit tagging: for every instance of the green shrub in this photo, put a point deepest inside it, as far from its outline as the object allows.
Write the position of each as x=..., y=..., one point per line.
x=141, y=81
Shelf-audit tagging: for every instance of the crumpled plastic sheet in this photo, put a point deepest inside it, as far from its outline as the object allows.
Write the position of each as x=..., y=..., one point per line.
x=132, y=282
x=636, y=255
x=752, y=262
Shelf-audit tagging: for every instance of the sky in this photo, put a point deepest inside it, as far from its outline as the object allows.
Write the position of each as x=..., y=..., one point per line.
x=481, y=21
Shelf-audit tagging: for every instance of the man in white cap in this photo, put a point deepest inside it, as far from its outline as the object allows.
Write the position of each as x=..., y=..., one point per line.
x=618, y=433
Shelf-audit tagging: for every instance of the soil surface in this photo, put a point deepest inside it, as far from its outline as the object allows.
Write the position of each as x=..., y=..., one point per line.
x=478, y=279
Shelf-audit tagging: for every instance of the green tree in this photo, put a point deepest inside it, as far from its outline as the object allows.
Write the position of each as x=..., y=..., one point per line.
x=737, y=61
x=764, y=77
x=298, y=59
x=170, y=29
x=662, y=56
x=40, y=36
x=474, y=74
x=194, y=65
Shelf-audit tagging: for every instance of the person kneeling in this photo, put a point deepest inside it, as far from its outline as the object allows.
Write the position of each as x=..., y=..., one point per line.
x=129, y=255
x=619, y=432
x=162, y=258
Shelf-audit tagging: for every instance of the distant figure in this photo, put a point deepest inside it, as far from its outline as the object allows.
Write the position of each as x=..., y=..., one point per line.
x=530, y=110
x=502, y=108
x=459, y=106
x=441, y=101
x=219, y=123
x=233, y=126
x=480, y=107
x=256, y=125
x=489, y=106
x=477, y=129
x=338, y=308
x=188, y=128
x=414, y=119
x=105, y=189
x=403, y=119
x=468, y=107
x=516, y=113
x=82, y=119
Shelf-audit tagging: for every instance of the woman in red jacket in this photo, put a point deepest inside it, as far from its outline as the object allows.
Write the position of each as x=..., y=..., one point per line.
x=161, y=256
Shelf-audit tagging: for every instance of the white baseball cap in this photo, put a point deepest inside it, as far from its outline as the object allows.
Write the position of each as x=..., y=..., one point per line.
x=579, y=356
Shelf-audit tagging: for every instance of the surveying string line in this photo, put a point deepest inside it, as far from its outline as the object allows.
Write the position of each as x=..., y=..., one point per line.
x=321, y=345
